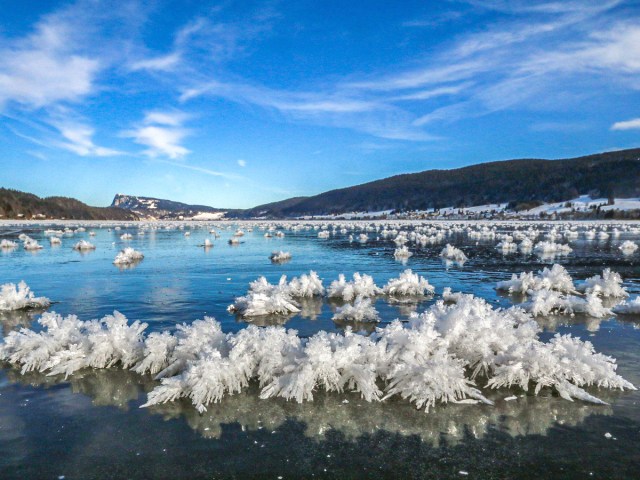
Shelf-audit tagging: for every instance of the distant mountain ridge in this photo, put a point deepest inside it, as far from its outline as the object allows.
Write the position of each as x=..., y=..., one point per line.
x=512, y=181
x=526, y=182
x=159, y=208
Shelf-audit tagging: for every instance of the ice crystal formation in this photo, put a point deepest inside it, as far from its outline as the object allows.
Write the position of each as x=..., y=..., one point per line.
x=83, y=246
x=553, y=291
x=454, y=254
x=280, y=257
x=128, y=256
x=20, y=297
x=442, y=355
x=408, y=284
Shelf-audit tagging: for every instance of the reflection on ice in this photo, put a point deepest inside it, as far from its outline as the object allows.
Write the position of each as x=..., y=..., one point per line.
x=348, y=414
x=310, y=307
x=12, y=320
x=551, y=323
x=105, y=387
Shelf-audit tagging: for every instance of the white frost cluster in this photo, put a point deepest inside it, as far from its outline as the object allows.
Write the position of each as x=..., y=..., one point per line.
x=360, y=286
x=362, y=310
x=402, y=252
x=607, y=285
x=507, y=246
x=552, y=291
x=306, y=286
x=629, y=307
x=67, y=344
x=628, y=247
x=556, y=278
x=526, y=245
x=31, y=244
x=83, y=246
x=264, y=298
x=436, y=358
x=128, y=256
x=547, y=302
x=552, y=248
x=454, y=254
x=408, y=284
x=280, y=257
x=7, y=244
x=20, y=297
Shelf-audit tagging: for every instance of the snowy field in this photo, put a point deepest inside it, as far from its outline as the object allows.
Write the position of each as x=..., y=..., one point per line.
x=437, y=340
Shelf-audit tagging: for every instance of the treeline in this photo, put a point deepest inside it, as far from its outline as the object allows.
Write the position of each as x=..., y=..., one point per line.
x=520, y=182
x=15, y=204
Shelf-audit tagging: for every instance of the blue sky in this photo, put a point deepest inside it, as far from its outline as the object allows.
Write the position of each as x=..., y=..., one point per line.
x=234, y=104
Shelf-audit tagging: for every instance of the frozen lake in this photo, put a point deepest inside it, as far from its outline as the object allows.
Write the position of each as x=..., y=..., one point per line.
x=89, y=424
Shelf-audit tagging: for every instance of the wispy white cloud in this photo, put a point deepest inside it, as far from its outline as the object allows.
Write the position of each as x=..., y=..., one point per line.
x=49, y=72
x=561, y=127
x=43, y=68
x=543, y=55
x=203, y=41
x=519, y=7
x=434, y=20
x=79, y=140
x=38, y=155
x=284, y=100
x=167, y=62
x=548, y=63
x=434, y=92
x=633, y=124
x=162, y=133
x=206, y=171
x=61, y=128
x=514, y=63
x=242, y=163
x=161, y=63
x=371, y=147
x=331, y=108
x=171, y=118
x=418, y=78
